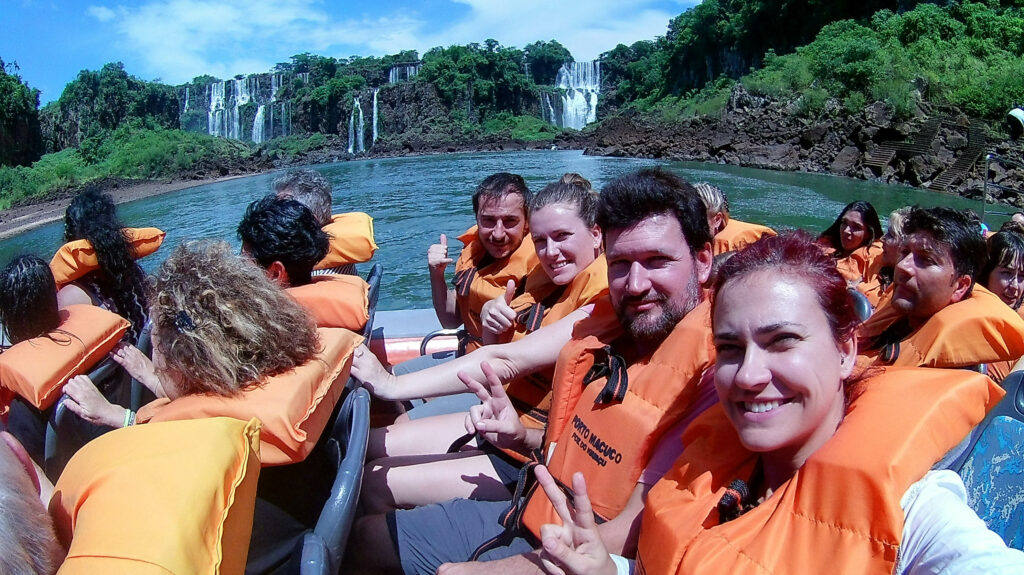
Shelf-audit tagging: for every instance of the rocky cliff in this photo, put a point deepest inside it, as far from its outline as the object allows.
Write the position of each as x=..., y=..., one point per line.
x=938, y=149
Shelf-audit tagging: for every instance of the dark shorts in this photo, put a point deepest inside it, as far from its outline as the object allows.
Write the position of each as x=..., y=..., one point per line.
x=450, y=532
x=507, y=467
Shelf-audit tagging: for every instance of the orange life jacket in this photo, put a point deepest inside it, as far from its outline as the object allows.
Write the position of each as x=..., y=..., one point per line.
x=351, y=240
x=737, y=235
x=335, y=300
x=858, y=265
x=294, y=406
x=75, y=259
x=607, y=428
x=979, y=329
x=479, y=279
x=174, y=497
x=545, y=304
x=1000, y=369
x=38, y=368
x=840, y=512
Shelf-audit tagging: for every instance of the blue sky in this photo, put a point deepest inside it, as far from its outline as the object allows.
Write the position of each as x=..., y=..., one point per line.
x=176, y=40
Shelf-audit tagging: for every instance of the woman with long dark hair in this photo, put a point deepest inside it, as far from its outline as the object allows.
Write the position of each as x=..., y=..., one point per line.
x=854, y=240
x=119, y=283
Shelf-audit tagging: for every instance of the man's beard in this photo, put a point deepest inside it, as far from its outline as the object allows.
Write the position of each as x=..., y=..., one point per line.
x=653, y=330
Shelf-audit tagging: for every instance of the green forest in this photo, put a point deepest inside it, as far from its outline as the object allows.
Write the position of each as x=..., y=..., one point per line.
x=816, y=53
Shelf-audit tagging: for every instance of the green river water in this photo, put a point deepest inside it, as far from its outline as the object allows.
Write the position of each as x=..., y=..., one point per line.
x=413, y=200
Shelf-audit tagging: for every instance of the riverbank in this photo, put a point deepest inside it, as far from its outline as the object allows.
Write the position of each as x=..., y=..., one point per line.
x=22, y=218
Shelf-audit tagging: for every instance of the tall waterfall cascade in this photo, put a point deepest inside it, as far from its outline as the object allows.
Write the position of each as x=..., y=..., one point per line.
x=375, y=90
x=582, y=84
x=246, y=108
x=356, y=129
x=403, y=72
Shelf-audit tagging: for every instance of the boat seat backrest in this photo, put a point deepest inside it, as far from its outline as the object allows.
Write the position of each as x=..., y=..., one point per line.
x=373, y=278
x=991, y=463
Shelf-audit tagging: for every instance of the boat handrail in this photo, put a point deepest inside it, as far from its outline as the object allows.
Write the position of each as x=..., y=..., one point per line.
x=989, y=184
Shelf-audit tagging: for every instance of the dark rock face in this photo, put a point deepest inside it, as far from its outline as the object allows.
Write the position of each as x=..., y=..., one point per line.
x=754, y=131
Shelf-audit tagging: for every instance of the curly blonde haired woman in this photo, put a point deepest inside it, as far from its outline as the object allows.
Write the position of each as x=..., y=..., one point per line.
x=218, y=328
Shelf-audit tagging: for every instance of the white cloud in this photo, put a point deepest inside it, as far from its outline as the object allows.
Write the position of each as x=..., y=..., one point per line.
x=101, y=13
x=179, y=39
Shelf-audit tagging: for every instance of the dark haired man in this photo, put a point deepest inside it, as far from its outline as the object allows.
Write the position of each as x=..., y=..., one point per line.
x=496, y=250
x=937, y=316
x=609, y=421
x=283, y=237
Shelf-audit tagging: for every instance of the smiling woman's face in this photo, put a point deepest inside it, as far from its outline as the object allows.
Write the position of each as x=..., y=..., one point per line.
x=779, y=371
x=565, y=245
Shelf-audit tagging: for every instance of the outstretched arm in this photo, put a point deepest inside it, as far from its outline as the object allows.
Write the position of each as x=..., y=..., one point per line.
x=534, y=352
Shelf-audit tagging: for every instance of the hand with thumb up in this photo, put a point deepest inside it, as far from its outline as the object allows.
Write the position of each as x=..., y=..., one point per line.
x=497, y=315
x=437, y=255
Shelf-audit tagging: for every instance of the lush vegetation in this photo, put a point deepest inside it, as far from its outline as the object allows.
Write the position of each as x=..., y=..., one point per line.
x=127, y=153
x=96, y=103
x=968, y=56
x=20, y=139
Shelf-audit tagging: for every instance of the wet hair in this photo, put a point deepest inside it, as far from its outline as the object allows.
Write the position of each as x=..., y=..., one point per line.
x=1005, y=249
x=573, y=190
x=955, y=230
x=630, y=199
x=872, y=226
x=497, y=186
x=795, y=255
x=276, y=229
x=92, y=216
x=28, y=299
x=222, y=325
x=714, y=199
x=28, y=543
x=311, y=189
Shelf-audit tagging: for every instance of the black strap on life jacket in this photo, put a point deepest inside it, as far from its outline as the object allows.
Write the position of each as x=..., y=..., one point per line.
x=463, y=280
x=531, y=317
x=613, y=367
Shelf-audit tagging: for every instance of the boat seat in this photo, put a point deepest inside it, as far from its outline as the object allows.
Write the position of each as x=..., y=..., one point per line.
x=990, y=460
x=373, y=278
x=285, y=543
x=66, y=433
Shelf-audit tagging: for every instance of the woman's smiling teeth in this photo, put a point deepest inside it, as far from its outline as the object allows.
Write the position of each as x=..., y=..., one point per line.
x=761, y=406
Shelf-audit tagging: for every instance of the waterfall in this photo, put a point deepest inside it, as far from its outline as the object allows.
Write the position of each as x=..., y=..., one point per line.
x=186, y=101
x=547, y=111
x=215, y=117
x=582, y=83
x=258, y=125
x=242, y=96
x=375, y=90
x=402, y=72
x=359, y=136
x=352, y=130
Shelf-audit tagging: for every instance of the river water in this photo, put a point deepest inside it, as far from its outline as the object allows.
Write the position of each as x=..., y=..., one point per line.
x=414, y=200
